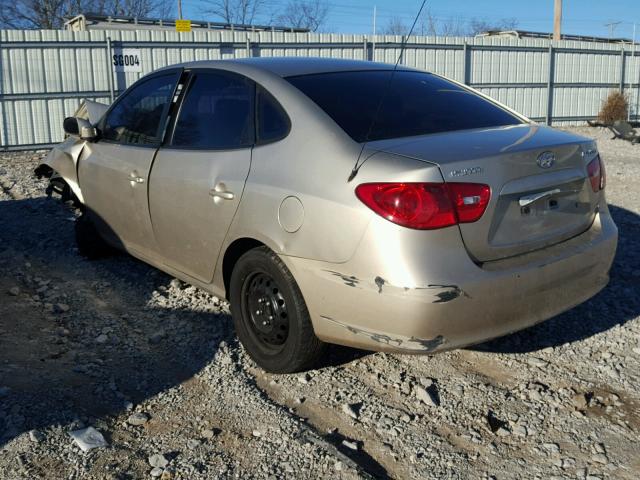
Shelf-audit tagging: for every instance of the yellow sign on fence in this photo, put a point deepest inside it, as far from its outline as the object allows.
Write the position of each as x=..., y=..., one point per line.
x=183, y=25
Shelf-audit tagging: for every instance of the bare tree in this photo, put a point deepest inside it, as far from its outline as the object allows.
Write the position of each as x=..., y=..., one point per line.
x=395, y=26
x=141, y=8
x=32, y=13
x=447, y=27
x=51, y=13
x=428, y=24
x=310, y=14
x=477, y=26
x=453, y=27
x=237, y=12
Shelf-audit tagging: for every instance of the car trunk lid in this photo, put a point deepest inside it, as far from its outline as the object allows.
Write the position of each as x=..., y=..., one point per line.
x=540, y=190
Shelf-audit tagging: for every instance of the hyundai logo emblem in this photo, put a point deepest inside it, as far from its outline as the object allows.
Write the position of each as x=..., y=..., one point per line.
x=546, y=160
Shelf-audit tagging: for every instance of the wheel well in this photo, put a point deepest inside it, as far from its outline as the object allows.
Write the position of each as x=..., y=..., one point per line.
x=233, y=253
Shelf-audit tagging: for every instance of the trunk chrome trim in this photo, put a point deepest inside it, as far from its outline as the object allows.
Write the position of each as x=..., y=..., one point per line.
x=534, y=197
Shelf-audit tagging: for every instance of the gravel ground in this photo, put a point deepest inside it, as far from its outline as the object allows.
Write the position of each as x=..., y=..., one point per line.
x=153, y=365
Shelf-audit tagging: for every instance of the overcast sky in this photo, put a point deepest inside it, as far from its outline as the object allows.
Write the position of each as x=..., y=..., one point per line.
x=585, y=17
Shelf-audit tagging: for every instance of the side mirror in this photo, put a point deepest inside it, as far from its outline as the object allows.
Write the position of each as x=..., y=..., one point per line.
x=70, y=126
x=80, y=127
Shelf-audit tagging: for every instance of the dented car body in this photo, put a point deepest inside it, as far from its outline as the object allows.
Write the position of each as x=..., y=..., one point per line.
x=403, y=230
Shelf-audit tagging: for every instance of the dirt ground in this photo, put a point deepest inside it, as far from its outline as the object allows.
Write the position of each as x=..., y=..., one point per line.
x=154, y=366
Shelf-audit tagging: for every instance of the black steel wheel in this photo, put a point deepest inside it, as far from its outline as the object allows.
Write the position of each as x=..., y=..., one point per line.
x=265, y=305
x=270, y=315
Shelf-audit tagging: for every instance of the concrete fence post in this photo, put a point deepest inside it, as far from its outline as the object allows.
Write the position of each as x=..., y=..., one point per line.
x=622, y=68
x=369, y=49
x=638, y=89
x=465, y=63
x=373, y=48
x=110, y=69
x=550, y=79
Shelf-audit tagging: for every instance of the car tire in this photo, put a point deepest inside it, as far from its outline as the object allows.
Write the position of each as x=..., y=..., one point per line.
x=90, y=244
x=270, y=314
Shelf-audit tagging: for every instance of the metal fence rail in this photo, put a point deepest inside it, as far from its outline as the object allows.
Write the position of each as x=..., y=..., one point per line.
x=46, y=73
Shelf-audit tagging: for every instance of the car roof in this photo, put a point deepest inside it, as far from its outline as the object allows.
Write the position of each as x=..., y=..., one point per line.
x=292, y=66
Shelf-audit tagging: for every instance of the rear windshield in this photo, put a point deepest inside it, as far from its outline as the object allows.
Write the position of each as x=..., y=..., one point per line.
x=414, y=103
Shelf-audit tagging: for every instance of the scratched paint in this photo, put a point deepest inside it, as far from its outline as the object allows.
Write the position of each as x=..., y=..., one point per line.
x=442, y=293
x=446, y=293
x=409, y=344
x=349, y=280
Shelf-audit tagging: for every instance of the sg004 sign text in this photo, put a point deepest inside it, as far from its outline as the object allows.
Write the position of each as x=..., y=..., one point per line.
x=126, y=60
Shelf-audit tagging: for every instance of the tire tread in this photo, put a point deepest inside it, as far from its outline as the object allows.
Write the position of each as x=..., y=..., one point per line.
x=307, y=349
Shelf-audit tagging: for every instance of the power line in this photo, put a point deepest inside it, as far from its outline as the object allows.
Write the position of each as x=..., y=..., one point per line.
x=612, y=26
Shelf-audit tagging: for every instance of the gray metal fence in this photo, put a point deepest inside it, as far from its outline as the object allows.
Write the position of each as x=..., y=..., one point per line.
x=46, y=73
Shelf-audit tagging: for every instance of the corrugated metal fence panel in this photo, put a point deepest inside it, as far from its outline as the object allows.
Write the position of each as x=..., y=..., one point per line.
x=447, y=60
x=46, y=73
x=513, y=63
x=578, y=101
x=632, y=66
x=588, y=67
x=533, y=101
x=632, y=76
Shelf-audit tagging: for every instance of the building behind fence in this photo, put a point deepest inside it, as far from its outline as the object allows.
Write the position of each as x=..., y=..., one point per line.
x=47, y=73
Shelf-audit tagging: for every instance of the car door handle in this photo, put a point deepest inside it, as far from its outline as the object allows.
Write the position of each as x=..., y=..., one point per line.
x=218, y=194
x=134, y=177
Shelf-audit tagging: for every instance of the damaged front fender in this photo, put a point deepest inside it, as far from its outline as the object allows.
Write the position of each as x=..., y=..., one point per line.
x=62, y=162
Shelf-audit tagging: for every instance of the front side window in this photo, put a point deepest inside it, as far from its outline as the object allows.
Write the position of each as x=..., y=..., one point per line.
x=136, y=117
x=217, y=112
x=372, y=105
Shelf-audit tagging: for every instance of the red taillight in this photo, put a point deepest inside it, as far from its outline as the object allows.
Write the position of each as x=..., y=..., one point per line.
x=426, y=206
x=597, y=175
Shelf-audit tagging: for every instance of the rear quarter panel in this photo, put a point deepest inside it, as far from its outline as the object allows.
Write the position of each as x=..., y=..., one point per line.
x=334, y=218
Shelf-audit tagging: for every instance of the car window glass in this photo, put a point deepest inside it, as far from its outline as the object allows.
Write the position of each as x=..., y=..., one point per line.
x=273, y=122
x=414, y=103
x=217, y=112
x=135, y=118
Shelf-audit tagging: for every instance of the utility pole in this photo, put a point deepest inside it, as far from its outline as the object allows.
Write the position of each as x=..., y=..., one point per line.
x=180, y=9
x=557, y=20
x=374, y=19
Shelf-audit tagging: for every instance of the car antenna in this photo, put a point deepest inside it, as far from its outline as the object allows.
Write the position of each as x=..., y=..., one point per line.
x=357, y=166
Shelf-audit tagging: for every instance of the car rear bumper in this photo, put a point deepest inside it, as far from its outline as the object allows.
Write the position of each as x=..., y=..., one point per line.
x=398, y=295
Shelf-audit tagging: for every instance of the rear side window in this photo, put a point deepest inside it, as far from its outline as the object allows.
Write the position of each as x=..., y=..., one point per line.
x=413, y=103
x=217, y=112
x=273, y=122
x=135, y=118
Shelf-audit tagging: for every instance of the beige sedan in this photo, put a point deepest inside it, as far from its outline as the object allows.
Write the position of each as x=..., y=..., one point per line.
x=342, y=202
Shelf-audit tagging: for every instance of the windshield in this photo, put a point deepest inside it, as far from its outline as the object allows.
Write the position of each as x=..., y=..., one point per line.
x=415, y=103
